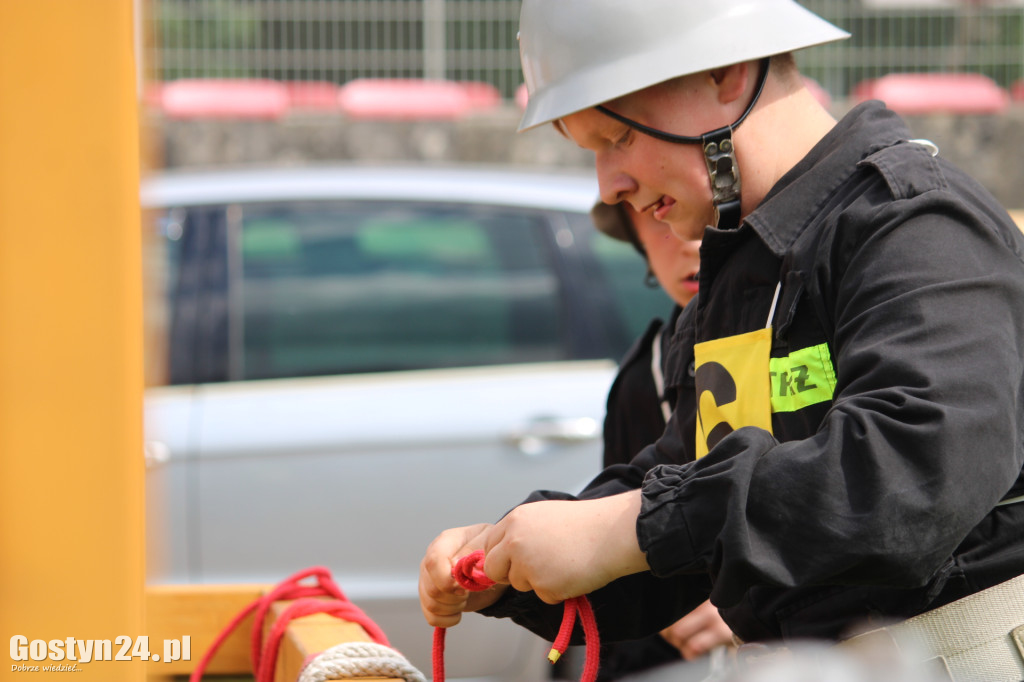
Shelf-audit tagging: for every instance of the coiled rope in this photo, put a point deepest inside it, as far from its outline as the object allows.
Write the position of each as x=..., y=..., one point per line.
x=469, y=573
x=365, y=660
x=359, y=659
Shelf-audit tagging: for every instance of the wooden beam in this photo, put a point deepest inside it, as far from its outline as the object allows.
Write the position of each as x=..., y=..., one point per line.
x=71, y=354
x=201, y=612
x=308, y=636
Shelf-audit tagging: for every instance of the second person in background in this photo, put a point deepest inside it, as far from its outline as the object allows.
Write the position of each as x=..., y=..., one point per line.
x=639, y=406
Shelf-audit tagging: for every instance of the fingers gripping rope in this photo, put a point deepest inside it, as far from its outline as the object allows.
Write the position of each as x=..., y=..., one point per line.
x=469, y=573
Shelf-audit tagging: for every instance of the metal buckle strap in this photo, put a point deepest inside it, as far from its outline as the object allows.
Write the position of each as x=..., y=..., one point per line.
x=724, y=175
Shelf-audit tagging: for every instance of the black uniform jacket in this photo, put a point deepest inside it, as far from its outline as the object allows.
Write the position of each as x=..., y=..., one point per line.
x=880, y=502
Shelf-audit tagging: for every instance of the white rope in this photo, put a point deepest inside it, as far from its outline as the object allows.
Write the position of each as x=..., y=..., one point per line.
x=775, y=301
x=659, y=376
x=359, y=659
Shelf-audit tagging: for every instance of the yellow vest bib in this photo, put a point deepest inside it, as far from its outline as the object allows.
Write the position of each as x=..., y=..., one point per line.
x=731, y=376
x=739, y=384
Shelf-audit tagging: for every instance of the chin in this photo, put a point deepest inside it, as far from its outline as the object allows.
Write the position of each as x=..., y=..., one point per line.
x=687, y=231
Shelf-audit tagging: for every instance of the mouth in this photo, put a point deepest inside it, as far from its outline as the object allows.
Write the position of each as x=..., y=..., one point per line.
x=653, y=206
x=662, y=206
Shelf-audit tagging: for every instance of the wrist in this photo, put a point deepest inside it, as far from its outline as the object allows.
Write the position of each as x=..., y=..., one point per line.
x=629, y=558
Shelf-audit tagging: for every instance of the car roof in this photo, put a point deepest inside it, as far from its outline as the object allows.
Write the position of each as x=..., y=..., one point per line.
x=572, y=190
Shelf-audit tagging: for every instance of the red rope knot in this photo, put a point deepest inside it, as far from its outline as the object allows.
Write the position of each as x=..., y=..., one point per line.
x=469, y=573
x=309, y=599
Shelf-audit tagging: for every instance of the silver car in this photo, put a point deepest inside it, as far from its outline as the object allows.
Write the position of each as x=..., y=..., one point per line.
x=357, y=358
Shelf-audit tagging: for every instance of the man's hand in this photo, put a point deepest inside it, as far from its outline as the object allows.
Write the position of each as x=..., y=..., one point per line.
x=562, y=549
x=698, y=632
x=443, y=600
x=558, y=549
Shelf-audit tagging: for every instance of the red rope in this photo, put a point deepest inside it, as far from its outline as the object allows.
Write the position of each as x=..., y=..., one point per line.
x=469, y=573
x=437, y=655
x=308, y=600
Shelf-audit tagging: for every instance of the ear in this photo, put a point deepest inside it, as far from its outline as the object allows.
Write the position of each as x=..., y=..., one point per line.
x=730, y=82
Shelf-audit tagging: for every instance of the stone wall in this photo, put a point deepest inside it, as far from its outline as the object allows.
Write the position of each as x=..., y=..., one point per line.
x=988, y=147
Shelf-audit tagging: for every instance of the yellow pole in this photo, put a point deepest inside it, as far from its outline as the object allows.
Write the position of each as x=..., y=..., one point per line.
x=71, y=463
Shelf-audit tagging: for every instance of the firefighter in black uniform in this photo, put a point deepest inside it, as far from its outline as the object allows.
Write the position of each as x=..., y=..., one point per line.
x=853, y=453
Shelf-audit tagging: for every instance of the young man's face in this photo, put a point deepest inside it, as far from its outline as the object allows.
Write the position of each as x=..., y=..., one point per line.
x=674, y=262
x=665, y=180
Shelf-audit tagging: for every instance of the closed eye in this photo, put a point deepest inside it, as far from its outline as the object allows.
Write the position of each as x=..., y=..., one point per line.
x=625, y=138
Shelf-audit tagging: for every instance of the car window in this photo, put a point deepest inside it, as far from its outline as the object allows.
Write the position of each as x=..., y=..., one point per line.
x=348, y=287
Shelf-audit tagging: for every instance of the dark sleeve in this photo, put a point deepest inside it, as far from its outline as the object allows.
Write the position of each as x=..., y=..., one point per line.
x=922, y=439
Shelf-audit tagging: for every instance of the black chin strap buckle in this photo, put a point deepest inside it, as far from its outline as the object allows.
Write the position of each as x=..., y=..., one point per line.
x=724, y=174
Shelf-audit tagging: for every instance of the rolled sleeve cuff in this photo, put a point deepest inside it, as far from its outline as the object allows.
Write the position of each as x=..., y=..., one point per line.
x=661, y=527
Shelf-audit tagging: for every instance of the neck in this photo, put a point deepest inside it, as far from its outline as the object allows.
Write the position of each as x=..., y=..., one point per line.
x=785, y=126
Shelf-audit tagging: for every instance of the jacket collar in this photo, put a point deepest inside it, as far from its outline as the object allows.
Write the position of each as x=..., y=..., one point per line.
x=796, y=199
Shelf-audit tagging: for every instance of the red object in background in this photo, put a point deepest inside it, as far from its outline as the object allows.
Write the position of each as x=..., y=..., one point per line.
x=925, y=93
x=522, y=97
x=383, y=98
x=481, y=95
x=313, y=95
x=407, y=98
x=224, y=98
x=1017, y=90
x=153, y=95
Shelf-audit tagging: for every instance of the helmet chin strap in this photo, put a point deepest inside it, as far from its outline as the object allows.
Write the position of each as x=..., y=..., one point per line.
x=719, y=155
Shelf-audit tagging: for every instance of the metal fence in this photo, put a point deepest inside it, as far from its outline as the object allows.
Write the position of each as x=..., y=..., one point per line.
x=340, y=40
x=963, y=36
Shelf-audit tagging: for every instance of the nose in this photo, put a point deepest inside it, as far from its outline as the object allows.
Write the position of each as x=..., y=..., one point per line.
x=615, y=184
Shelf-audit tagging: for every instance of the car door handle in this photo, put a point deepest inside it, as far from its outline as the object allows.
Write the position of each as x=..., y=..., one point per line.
x=157, y=453
x=542, y=432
